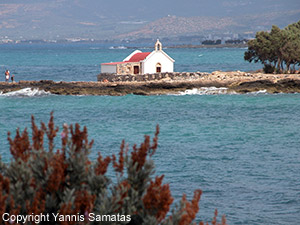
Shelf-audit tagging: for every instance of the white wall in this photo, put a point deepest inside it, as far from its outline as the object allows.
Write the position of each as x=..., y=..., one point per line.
x=108, y=68
x=149, y=66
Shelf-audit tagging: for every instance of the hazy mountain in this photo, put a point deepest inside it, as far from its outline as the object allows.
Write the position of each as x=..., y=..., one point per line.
x=99, y=19
x=182, y=26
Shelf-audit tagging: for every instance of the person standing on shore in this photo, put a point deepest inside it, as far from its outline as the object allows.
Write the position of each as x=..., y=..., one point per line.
x=7, y=75
x=12, y=78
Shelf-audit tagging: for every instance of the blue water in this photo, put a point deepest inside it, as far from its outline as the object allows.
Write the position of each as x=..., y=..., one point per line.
x=80, y=62
x=241, y=150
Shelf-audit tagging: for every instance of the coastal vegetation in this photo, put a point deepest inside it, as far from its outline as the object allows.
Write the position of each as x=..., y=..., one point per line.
x=66, y=183
x=278, y=50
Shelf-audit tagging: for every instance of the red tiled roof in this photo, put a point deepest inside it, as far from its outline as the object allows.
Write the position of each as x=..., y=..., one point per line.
x=137, y=57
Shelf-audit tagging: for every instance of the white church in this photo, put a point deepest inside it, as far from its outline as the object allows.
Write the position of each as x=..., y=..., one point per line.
x=139, y=62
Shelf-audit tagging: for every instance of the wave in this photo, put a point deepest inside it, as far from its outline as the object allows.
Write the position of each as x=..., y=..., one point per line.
x=217, y=91
x=26, y=92
x=117, y=47
x=258, y=92
x=206, y=91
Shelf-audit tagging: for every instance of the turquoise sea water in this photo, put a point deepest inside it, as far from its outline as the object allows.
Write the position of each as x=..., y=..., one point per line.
x=79, y=62
x=241, y=150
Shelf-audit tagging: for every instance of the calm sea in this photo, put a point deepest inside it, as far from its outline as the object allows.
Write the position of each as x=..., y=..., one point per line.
x=241, y=150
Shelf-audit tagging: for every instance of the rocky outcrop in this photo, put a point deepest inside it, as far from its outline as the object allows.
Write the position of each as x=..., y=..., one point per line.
x=165, y=83
x=282, y=86
x=105, y=88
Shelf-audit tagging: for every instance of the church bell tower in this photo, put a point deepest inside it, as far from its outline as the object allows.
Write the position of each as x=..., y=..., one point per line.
x=158, y=46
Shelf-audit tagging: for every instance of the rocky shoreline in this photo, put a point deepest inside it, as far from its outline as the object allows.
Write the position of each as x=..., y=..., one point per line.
x=235, y=82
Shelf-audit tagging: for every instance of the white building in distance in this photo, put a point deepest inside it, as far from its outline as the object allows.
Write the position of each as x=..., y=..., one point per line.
x=139, y=62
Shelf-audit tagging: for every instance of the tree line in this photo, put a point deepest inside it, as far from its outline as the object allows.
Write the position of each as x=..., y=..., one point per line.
x=278, y=50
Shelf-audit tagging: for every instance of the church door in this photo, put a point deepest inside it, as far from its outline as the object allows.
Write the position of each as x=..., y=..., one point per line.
x=158, y=68
x=136, y=70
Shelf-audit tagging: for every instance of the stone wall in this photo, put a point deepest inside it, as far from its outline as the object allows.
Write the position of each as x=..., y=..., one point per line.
x=111, y=77
x=127, y=68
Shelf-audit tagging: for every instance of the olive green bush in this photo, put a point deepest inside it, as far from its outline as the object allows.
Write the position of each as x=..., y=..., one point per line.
x=278, y=50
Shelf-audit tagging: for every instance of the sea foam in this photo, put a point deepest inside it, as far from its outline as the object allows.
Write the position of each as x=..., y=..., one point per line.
x=26, y=92
x=206, y=91
x=259, y=92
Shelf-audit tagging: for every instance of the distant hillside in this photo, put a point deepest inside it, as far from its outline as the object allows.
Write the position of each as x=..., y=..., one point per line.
x=174, y=26
x=181, y=26
x=61, y=19
x=131, y=19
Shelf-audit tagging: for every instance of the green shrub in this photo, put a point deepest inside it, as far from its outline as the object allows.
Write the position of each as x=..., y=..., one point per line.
x=66, y=185
x=278, y=50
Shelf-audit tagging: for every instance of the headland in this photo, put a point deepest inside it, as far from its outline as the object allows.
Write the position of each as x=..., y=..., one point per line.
x=165, y=83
